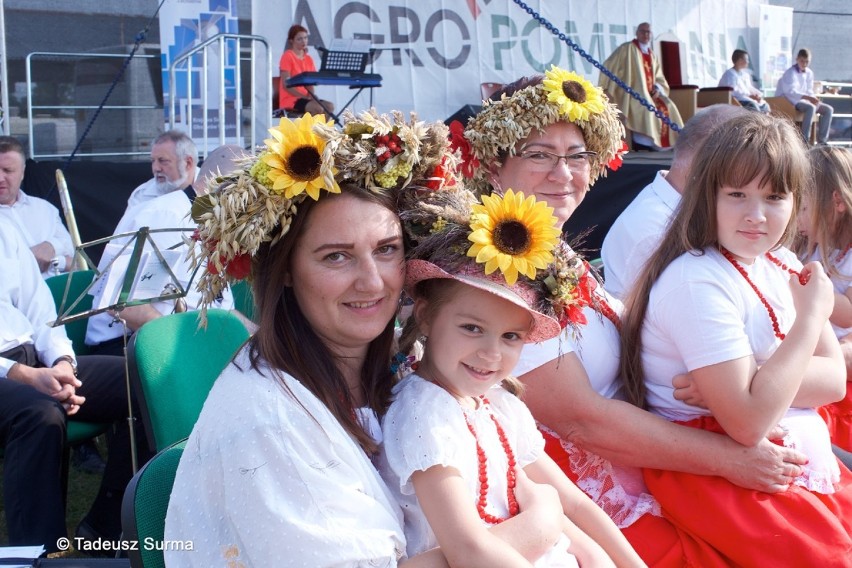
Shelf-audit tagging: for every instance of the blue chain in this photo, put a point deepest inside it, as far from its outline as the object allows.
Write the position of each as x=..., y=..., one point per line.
x=555, y=31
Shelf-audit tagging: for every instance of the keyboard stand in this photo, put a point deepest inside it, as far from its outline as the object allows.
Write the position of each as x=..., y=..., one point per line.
x=360, y=82
x=336, y=117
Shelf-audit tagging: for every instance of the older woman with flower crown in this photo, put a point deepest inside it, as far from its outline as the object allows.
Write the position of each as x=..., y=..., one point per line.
x=552, y=137
x=278, y=467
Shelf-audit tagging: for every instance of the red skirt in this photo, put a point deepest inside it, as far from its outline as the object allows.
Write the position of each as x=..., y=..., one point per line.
x=658, y=542
x=751, y=528
x=838, y=416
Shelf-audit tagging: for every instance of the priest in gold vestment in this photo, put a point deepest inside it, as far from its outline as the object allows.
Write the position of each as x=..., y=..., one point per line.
x=635, y=63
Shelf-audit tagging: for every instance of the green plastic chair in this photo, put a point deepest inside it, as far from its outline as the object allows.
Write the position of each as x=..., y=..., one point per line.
x=76, y=330
x=174, y=363
x=244, y=299
x=146, y=500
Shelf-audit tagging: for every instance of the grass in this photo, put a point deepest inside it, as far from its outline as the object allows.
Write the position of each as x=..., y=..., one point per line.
x=82, y=488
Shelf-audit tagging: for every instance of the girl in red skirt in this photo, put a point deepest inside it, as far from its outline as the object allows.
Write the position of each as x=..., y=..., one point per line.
x=722, y=300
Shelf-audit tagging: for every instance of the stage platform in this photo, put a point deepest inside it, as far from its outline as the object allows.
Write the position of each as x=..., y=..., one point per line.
x=99, y=192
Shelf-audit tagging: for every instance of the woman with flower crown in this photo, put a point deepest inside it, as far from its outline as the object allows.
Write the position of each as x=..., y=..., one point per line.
x=552, y=137
x=455, y=437
x=278, y=470
x=722, y=300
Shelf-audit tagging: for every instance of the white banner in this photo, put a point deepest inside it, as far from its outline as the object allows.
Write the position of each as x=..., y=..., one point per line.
x=433, y=54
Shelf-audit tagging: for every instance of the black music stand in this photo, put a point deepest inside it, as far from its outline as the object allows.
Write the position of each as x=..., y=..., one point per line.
x=130, y=280
x=339, y=67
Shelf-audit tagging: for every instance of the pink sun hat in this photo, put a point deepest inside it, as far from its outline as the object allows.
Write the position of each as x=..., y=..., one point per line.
x=544, y=327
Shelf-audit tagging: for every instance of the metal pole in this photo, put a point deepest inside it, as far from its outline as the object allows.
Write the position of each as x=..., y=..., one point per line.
x=189, y=97
x=238, y=95
x=205, y=87
x=30, y=104
x=221, y=71
x=4, y=72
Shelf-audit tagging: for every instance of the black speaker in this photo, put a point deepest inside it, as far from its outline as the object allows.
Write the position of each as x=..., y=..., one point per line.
x=464, y=113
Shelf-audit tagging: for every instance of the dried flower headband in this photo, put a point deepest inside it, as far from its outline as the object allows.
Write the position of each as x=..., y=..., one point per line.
x=561, y=96
x=257, y=202
x=513, y=234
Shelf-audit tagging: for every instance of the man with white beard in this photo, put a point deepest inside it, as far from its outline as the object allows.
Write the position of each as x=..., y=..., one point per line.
x=173, y=163
x=171, y=211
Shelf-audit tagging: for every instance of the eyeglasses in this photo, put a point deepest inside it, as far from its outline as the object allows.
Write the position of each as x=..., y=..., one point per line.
x=542, y=161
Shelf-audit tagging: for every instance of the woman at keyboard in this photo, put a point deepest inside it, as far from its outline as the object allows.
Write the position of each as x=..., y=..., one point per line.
x=295, y=60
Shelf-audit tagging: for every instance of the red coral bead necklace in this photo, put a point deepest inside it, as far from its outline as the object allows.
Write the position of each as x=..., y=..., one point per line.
x=482, y=460
x=774, y=260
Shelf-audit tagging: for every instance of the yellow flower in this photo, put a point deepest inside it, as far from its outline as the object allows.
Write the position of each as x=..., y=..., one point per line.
x=260, y=171
x=438, y=225
x=575, y=97
x=513, y=234
x=294, y=158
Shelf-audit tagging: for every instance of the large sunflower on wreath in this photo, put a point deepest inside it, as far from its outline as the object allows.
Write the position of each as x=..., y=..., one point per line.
x=512, y=234
x=294, y=159
x=576, y=97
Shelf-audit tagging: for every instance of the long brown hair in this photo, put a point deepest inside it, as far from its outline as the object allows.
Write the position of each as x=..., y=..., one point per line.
x=749, y=147
x=286, y=340
x=294, y=30
x=832, y=175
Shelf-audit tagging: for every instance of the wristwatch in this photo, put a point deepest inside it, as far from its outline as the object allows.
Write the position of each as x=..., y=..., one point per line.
x=58, y=264
x=68, y=359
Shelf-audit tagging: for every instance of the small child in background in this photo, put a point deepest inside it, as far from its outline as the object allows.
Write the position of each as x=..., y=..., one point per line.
x=825, y=222
x=456, y=442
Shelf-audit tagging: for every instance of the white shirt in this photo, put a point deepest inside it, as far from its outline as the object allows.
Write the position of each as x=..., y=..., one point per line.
x=636, y=233
x=270, y=478
x=740, y=81
x=841, y=281
x=144, y=192
x=597, y=346
x=425, y=426
x=26, y=304
x=794, y=84
x=37, y=221
x=619, y=491
x=166, y=212
x=147, y=191
x=702, y=312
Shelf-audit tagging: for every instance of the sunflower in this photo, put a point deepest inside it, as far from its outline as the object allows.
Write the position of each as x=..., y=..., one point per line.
x=575, y=97
x=513, y=234
x=295, y=158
